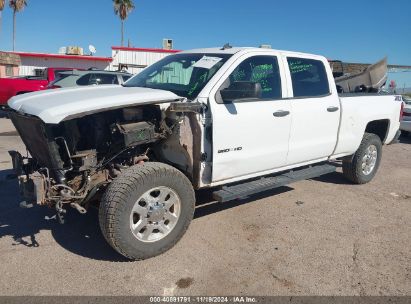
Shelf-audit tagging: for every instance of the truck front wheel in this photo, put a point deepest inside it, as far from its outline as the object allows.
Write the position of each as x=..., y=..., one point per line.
x=146, y=210
x=363, y=165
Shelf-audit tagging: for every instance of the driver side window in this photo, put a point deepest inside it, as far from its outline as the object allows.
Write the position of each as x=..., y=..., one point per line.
x=262, y=70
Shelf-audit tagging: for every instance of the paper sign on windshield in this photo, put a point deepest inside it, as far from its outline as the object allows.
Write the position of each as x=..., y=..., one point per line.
x=207, y=62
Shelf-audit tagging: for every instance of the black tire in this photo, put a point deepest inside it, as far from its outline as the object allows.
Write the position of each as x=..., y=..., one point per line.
x=117, y=203
x=405, y=133
x=352, y=168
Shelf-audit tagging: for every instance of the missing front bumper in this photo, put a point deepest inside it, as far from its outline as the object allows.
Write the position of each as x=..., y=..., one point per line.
x=32, y=185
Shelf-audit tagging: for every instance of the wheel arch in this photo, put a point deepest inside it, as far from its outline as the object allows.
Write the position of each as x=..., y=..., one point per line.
x=379, y=127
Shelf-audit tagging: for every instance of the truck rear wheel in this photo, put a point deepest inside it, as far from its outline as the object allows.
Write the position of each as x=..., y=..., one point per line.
x=146, y=210
x=364, y=164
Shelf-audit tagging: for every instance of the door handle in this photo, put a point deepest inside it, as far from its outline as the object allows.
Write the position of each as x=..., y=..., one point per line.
x=333, y=109
x=281, y=113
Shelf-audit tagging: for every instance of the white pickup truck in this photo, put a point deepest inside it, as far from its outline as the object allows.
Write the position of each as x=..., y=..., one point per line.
x=237, y=120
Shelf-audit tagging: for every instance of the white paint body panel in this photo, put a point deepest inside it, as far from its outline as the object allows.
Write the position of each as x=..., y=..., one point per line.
x=358, y=111
x=54, y=106
x=251, y=126
x=313, y=128
x=315, y=135
x=263, y=140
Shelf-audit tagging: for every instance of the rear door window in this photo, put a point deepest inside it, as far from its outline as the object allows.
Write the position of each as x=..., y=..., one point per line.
x=309, y=77
x=83, y=80
x=97, y=79
x=103, y=79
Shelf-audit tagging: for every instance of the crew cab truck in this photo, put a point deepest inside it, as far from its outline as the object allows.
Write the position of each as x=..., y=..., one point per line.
x=236, y=120
x=10, y=87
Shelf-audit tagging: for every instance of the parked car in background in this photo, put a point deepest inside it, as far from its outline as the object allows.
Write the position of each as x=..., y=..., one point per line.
x=77, y=78
x=406, y=117
x=10, y=87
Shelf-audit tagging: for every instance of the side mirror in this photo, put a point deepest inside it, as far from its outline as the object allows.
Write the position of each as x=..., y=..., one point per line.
x=241, y=91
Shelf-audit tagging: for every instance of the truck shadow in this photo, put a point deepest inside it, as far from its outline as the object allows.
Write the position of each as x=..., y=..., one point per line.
x=206, y=205
x=81, y=235
x=332, y=178
x=405, y=139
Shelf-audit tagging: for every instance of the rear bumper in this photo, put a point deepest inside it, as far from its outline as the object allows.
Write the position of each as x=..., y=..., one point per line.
x=405, y=125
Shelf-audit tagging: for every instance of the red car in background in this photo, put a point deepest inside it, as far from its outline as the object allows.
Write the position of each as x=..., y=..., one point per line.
x=10, y=87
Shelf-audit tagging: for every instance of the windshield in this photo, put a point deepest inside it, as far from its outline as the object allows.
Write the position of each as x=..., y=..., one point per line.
x=59, y=78
x=183, y=74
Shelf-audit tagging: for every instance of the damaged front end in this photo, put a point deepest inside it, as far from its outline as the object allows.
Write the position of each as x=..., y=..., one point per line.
x=32, y=185
x=71, y=163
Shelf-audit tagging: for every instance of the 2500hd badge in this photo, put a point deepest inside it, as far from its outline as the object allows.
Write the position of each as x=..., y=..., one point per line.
x=230, y=150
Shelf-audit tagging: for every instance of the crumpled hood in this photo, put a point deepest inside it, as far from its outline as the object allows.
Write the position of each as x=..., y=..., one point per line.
x=54, y=106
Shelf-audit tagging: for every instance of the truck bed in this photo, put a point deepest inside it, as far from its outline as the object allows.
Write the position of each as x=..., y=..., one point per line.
x=360, y=108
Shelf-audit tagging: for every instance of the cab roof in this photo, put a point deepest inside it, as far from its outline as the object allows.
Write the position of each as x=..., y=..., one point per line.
x=235, y=50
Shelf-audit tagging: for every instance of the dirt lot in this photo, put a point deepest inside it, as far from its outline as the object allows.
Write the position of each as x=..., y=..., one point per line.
x=317, y=237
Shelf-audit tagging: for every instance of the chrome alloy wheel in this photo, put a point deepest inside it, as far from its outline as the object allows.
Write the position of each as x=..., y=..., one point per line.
x=155, y=214
x=369, y=160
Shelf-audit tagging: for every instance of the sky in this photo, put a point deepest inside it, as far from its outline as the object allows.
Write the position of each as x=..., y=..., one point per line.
x=349, y=30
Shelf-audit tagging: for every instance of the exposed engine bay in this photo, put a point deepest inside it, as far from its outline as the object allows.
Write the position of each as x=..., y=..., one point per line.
x=71, y=163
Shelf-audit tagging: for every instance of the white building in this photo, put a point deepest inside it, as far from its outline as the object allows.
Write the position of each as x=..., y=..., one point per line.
x=136, y=59
x=131, y=59
x=31, y=62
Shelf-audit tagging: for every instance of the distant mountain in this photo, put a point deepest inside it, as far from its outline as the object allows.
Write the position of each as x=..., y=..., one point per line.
x=399, y=90
x=403, y=91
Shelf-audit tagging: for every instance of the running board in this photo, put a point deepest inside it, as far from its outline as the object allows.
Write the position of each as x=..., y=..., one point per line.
x=228, y=193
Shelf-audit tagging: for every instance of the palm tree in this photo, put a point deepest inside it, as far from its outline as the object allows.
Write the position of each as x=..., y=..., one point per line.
x=2, y=3
x=16, y=6
x=123, y=8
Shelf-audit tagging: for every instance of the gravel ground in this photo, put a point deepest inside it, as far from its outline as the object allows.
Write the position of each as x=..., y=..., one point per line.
x=316, y=237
